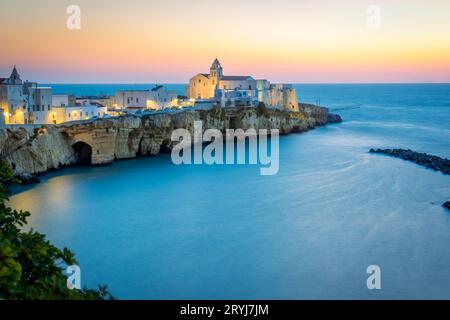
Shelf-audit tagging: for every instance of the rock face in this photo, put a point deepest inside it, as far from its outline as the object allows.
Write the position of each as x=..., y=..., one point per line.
x=423, y=159
x=31, y=151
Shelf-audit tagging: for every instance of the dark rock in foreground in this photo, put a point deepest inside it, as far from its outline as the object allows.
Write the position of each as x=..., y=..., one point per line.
x=429, y=161
x=447, y=205
x=28, y=179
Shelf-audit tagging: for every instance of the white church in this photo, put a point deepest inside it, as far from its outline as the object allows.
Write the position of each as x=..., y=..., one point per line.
x=232, y=91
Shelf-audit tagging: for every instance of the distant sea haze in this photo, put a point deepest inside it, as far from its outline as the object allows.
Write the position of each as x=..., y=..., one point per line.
x=150, y=229
x=307, y=92
x=107, y=89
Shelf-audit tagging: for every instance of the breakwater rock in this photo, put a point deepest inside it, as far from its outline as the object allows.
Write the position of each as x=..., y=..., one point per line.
x=429, y=161
x=31, y=150
x=334, y=118
x=446, y=205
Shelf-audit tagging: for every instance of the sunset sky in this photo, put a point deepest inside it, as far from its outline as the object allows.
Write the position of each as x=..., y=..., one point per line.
x=144, y=41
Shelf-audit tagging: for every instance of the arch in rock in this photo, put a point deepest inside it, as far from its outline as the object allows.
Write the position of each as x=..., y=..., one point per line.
x=83, y=153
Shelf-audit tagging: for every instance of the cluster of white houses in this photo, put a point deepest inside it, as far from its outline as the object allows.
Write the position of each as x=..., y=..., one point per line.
x=24, y=102
x=28, y=103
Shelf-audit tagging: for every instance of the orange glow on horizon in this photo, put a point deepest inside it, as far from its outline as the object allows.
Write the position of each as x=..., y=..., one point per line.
x=290, y=41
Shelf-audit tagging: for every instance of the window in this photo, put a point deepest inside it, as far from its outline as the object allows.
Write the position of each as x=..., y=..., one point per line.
x=69, y=114
x=87, y=114
x=48, y=107
x=137, y=100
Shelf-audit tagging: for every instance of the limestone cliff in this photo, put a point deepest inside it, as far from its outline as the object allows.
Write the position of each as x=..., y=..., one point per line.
x=30, y=151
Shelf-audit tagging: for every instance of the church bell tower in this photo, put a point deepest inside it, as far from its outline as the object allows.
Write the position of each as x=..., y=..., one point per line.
x=216, y=72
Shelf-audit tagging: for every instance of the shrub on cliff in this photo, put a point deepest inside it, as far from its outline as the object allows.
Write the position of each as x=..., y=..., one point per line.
x=261, y=109
x=30, y=266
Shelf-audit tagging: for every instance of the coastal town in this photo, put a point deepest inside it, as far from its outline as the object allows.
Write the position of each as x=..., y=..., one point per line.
x=25, y=102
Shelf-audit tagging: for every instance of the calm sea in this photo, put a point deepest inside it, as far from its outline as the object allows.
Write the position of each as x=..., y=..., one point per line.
x=150, y=229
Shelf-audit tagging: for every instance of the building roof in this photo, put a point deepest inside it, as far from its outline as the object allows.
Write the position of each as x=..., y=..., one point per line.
x=158, y=87
x=216, y=63
x=235, y=78
x=229, y=78
x=14, y=73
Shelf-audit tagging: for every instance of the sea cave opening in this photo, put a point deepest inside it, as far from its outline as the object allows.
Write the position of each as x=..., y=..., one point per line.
x=83, y=152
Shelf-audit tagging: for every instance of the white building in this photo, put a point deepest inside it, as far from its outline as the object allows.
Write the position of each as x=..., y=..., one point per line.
x=160, y=98
x=66, y=108
x=24, y=102
x=63, y=100
x=240, y=90
x=236, y=98
x=12, y=100
x=39, y=105
x=156, y=98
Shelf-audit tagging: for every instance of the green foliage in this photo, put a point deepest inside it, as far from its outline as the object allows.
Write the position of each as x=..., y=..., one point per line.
x=30, y=266
x=261, y=109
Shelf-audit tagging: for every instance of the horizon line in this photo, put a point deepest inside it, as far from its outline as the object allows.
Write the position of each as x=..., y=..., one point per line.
x=180, y=83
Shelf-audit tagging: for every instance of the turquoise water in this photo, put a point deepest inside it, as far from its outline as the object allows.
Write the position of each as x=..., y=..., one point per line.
x=150, y=229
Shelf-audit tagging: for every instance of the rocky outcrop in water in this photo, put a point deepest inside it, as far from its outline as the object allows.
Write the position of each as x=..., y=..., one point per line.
x=30, y=150
x=446, y=205
x=429, y=161
x=334, y=118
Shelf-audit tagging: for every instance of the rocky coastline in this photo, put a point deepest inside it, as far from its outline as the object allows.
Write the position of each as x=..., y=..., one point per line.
x=31, y=151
